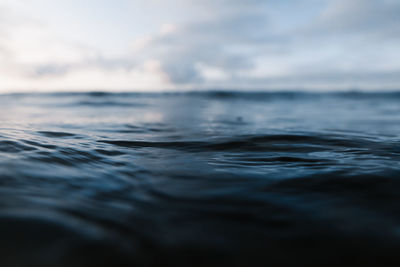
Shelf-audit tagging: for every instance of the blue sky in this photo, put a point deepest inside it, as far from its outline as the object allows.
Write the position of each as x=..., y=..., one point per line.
x=144, y=45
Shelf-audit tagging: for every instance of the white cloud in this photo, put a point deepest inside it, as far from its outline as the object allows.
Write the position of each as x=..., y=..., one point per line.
x=230, y=44
x=239, y=47
x=35, y=58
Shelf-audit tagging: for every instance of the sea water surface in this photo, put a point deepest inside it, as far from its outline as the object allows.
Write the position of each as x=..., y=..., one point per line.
x=200, y=179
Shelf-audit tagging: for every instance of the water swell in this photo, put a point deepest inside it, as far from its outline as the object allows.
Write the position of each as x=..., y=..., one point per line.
x=193, y=180
x=269, y=143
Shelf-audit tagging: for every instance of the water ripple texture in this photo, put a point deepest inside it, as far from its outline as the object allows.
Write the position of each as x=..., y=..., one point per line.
x=200, y=179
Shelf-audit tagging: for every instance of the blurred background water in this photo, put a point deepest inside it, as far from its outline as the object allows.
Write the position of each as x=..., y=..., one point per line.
x=196, y=179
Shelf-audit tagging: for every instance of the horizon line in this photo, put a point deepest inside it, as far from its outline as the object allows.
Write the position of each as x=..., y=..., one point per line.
x=208, y=91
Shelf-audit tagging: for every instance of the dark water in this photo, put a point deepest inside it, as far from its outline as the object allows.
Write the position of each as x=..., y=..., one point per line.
x=200, y=179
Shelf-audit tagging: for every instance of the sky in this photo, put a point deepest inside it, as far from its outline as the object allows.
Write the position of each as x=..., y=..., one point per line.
x=157, y=45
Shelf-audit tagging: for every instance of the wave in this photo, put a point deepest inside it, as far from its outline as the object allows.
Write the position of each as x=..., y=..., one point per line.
x=199, y=179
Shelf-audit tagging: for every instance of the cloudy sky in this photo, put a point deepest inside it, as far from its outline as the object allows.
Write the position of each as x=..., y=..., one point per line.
x=144, y=45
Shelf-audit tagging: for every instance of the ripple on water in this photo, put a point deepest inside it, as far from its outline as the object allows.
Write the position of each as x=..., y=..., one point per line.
x=192, y=180
x=56, y=134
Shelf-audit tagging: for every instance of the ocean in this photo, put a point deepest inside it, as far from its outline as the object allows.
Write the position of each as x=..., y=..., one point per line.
x=200, y=179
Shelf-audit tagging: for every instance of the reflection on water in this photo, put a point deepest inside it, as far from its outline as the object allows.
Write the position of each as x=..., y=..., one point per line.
x=199, y=179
